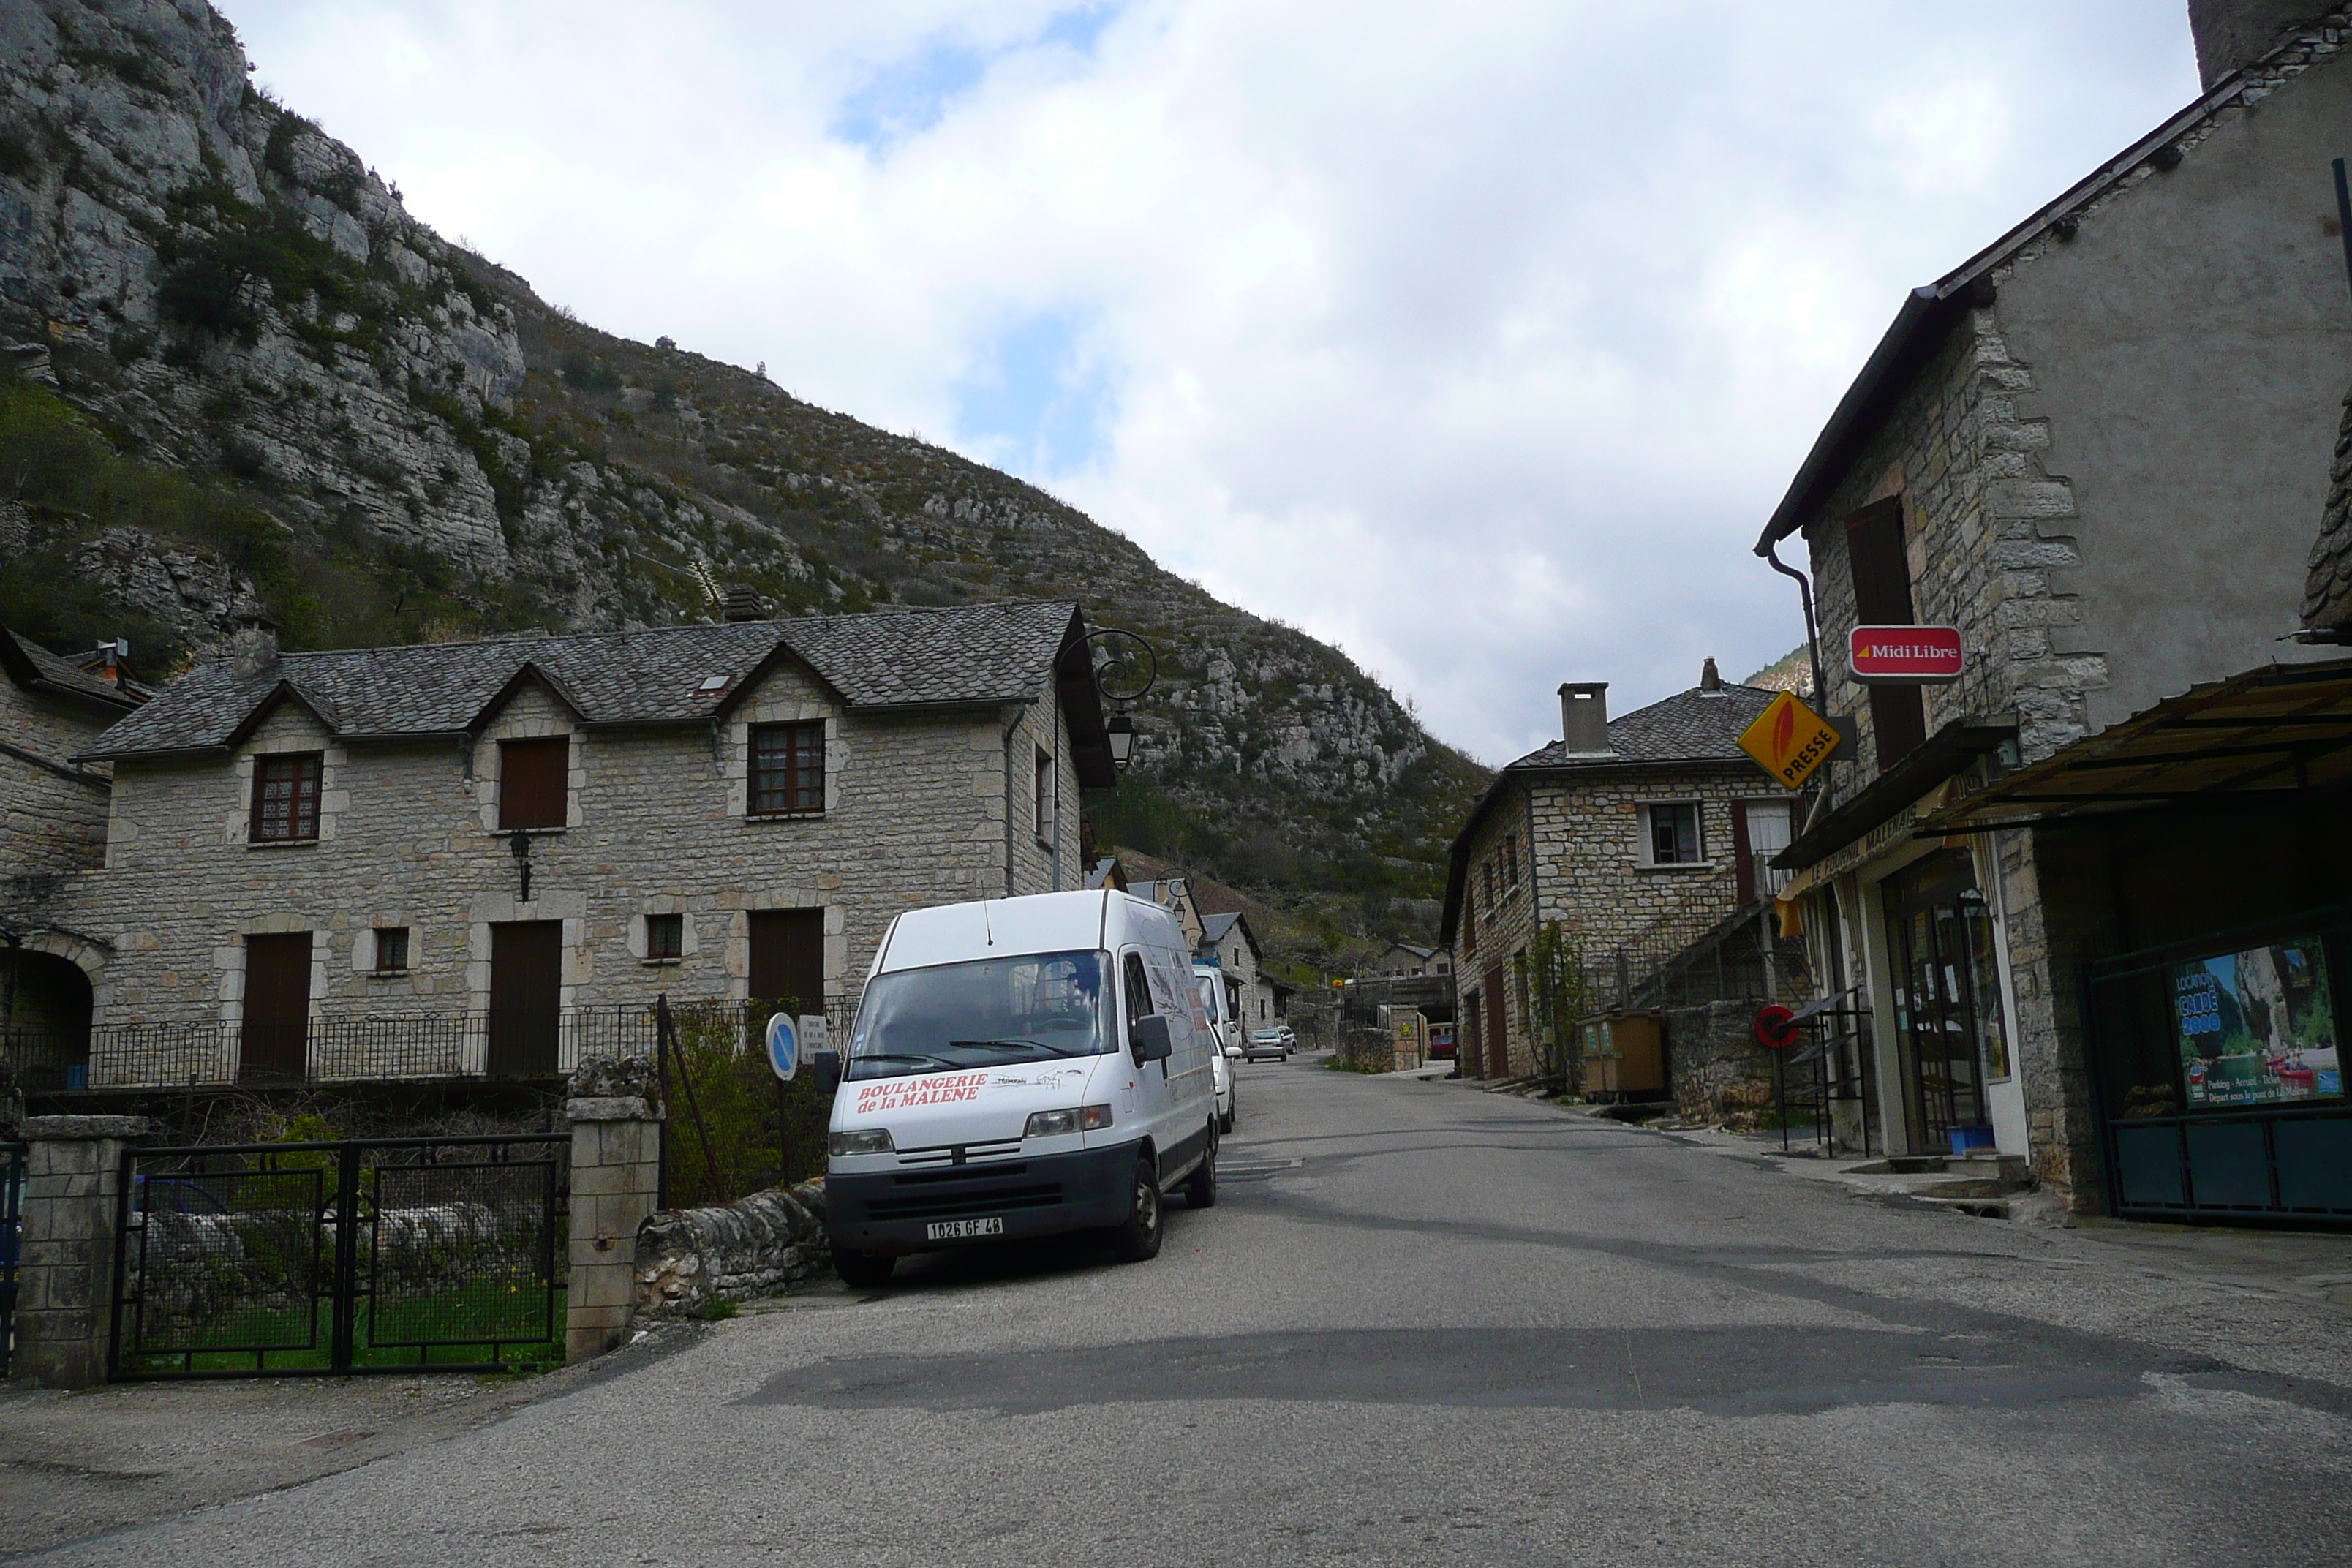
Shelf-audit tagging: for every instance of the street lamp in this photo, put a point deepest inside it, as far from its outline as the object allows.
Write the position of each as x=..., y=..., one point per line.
x=520, y=848
x=1141, y=663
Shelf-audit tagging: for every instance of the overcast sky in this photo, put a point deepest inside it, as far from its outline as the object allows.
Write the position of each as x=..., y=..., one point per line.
x=1477, y=339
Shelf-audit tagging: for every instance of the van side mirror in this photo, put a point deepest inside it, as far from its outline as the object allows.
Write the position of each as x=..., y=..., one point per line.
x=825, y=1067
x=1148, y=1038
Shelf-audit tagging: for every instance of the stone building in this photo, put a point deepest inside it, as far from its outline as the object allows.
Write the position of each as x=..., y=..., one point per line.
x=459, y=857
x=1641, y=835
x=1227, y=941
x=52, y=820
x=2098, y=449
x=1404, y=958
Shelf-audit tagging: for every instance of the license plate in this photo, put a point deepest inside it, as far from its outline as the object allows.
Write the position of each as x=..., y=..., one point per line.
x=958, y=1229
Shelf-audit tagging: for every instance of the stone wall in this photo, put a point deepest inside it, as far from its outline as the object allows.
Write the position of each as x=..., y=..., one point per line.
x=1717, y=1066
x=52, y=809
x=745, y=1250
x=915, y=815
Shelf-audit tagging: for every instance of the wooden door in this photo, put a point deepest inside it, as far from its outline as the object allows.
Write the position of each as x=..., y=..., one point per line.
x=1499, y=1038
x=788, y=957
x=275, y=1038
x=526, y=996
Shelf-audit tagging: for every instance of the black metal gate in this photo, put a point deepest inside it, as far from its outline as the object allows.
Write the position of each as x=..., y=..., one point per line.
x=367, y=1255
x=12, y=1242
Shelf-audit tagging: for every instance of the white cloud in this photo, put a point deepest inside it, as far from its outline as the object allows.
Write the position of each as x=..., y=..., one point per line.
x=1479, y=340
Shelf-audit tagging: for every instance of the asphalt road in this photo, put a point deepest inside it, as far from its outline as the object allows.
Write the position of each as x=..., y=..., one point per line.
x=1425, y=1324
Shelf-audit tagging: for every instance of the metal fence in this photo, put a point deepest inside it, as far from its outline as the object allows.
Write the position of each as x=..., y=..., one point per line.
x=346, y=1048
x=367, y=1255
x=12, y=1241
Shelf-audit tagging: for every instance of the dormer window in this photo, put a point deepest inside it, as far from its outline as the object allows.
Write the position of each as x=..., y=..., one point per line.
x=534, y=783
x=787, y=769
x=286, y=798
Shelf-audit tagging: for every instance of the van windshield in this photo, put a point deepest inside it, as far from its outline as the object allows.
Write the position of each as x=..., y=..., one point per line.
x=990, y=1011
x=1210, y=989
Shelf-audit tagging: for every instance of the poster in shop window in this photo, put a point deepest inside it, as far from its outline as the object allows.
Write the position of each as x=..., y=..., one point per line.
x=2257, y=1027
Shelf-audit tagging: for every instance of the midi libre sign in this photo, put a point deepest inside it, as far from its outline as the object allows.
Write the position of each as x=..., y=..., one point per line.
x=1905, y=655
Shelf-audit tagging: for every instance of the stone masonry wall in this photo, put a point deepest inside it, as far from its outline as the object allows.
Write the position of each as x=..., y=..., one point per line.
x=1485, y=950
x=1717, y=1066
x=50, y=822
x=407, y=837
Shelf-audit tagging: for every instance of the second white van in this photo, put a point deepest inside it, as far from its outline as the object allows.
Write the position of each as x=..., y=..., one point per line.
x=1019, y=1068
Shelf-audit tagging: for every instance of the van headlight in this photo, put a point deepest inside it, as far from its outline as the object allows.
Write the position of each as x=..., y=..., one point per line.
x=864, y=1141
x=1078, y=1119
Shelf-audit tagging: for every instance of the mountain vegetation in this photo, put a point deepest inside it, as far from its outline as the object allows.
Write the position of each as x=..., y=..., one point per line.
x=248, y=384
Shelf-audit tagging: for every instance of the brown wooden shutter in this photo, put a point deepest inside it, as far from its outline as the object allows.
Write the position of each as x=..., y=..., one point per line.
x=277, y=1006
x=788, y=957
x=1742, y=854
x=1882, y=597
x=534, y=783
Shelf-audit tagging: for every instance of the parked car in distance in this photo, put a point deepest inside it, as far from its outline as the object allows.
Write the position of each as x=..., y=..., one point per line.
x=1265, y=1043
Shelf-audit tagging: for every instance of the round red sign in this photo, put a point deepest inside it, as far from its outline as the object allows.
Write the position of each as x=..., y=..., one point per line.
x=1776, y=1026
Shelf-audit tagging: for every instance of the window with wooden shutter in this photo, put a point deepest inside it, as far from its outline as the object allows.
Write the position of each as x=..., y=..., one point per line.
x=787, y=769
x=1882, y=597
x=286, y=798
x=534, y=783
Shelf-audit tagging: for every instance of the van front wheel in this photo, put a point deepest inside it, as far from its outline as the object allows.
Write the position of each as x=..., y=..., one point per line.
x=1138, y=1237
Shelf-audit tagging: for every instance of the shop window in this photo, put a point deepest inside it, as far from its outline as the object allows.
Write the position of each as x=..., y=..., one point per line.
x=286, y=798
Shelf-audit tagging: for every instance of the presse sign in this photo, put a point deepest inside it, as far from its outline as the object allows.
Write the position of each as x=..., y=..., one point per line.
x=1905, y=655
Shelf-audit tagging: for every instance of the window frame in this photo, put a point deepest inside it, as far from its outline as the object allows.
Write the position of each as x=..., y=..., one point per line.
x=800, y=758
x=1649, y=810
x=674, y=925
x=390, y=940
x=307, y=767
x=510, y=809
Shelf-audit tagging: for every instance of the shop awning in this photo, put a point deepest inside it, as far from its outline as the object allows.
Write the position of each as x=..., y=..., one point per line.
x=1895, y=791
x=2270, y=733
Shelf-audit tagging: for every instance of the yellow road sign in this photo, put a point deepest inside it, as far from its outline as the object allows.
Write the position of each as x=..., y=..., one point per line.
x=1790, y=739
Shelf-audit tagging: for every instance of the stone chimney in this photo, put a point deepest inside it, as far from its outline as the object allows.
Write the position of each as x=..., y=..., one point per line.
x=253, y=647
x=2232, y=34
x=1584, y=717
x=741, y=603
x=1709, y=678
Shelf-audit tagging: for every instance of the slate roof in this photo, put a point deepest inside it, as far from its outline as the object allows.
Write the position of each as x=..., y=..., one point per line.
x=969, y=656
x=2327, y=587
x=36, y=668
x=1694, y=726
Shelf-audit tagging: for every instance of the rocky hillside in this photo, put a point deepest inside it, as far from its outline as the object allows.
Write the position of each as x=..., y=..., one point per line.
x=250, y=382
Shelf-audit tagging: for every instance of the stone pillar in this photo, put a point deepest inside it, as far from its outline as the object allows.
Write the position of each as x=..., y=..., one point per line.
x=615, y=1184
x=65, y=1295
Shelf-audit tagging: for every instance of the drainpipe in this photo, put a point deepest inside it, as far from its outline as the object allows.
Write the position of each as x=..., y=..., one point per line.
x=1057, y=784
x=1812, y=637
x=1020, y=712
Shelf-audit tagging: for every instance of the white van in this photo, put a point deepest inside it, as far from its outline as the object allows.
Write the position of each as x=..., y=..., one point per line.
x=1217, y=1006
x=1020, y=1067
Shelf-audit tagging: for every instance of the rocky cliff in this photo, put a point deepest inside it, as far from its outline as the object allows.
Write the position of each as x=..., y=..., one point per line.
x=250, y=383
